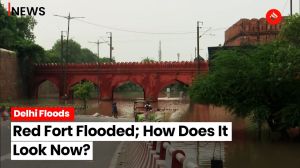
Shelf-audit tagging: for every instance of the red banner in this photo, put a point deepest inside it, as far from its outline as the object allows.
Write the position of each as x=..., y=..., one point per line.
x=42, y=114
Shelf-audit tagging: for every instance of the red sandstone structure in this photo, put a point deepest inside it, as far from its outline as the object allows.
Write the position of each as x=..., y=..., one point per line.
x=10, y=83
x=251, y=32
x=152, y=77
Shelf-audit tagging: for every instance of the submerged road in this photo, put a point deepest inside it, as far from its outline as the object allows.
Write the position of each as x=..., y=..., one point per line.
x=103, y=154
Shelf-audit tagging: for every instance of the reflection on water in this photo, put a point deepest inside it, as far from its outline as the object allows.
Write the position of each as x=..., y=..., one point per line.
x=206, y=151
x=253, y=154
x=240, y=153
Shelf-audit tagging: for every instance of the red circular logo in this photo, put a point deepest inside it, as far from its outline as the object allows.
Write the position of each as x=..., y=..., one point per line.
x=273, y=17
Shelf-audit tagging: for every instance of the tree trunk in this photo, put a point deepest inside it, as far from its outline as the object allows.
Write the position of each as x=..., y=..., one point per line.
x=84, y=105
x=259, y=125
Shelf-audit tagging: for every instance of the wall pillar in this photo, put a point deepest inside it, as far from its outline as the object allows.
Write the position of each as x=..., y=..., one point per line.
x=151, y=87
x=61, y=91
x=150, y=94
x=33, y=92
x=106, y=92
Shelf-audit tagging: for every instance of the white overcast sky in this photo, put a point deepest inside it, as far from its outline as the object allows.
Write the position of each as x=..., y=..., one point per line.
x=157, y=16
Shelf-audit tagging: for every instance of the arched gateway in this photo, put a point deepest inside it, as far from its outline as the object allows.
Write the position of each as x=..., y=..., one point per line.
x=152, y=77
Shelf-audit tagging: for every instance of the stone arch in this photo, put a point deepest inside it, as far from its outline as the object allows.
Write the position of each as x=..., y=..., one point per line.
x=165, y=84
x=52, y=80
x=119, y=83
x=34, y=87
x=123, y=82
x=78, y=79
x=170, y=82
x=50, y=89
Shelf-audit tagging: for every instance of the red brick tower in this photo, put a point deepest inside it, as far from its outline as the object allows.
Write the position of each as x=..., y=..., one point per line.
x=251, y=32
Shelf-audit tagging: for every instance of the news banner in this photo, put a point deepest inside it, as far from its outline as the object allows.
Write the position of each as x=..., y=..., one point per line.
x=42, y=133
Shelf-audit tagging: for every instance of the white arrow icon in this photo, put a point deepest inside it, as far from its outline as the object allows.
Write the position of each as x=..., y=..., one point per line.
x=274, y=16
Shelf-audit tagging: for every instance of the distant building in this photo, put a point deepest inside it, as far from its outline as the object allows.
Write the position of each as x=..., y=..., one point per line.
x=251, y=32
x=245, y=34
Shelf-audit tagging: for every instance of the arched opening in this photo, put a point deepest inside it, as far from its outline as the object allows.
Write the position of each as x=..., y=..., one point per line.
x=175, y=90
x=48, y=92
x=173, y=100
x=128, y=91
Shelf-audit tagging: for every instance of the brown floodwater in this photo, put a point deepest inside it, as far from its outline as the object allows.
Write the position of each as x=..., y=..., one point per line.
x=243, y=152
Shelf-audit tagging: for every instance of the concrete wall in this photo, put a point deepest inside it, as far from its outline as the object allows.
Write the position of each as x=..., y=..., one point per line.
x=10, y=78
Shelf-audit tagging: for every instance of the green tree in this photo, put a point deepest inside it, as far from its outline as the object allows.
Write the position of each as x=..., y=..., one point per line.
x=76, y=53
x=261, y=83
x=148, y=60
x=14, y=30
x=88, y=55
x=106, y=60
x=83, y=91
x=291, y=30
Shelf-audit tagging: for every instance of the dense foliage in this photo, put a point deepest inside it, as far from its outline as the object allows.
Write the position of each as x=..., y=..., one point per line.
x=16, y=33
x=291, y=30
x=76, y=54
x=262, y=83
x=15, y=30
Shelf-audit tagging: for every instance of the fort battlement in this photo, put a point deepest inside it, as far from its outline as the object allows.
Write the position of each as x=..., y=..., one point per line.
x=182, y=64
x=251, y=32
